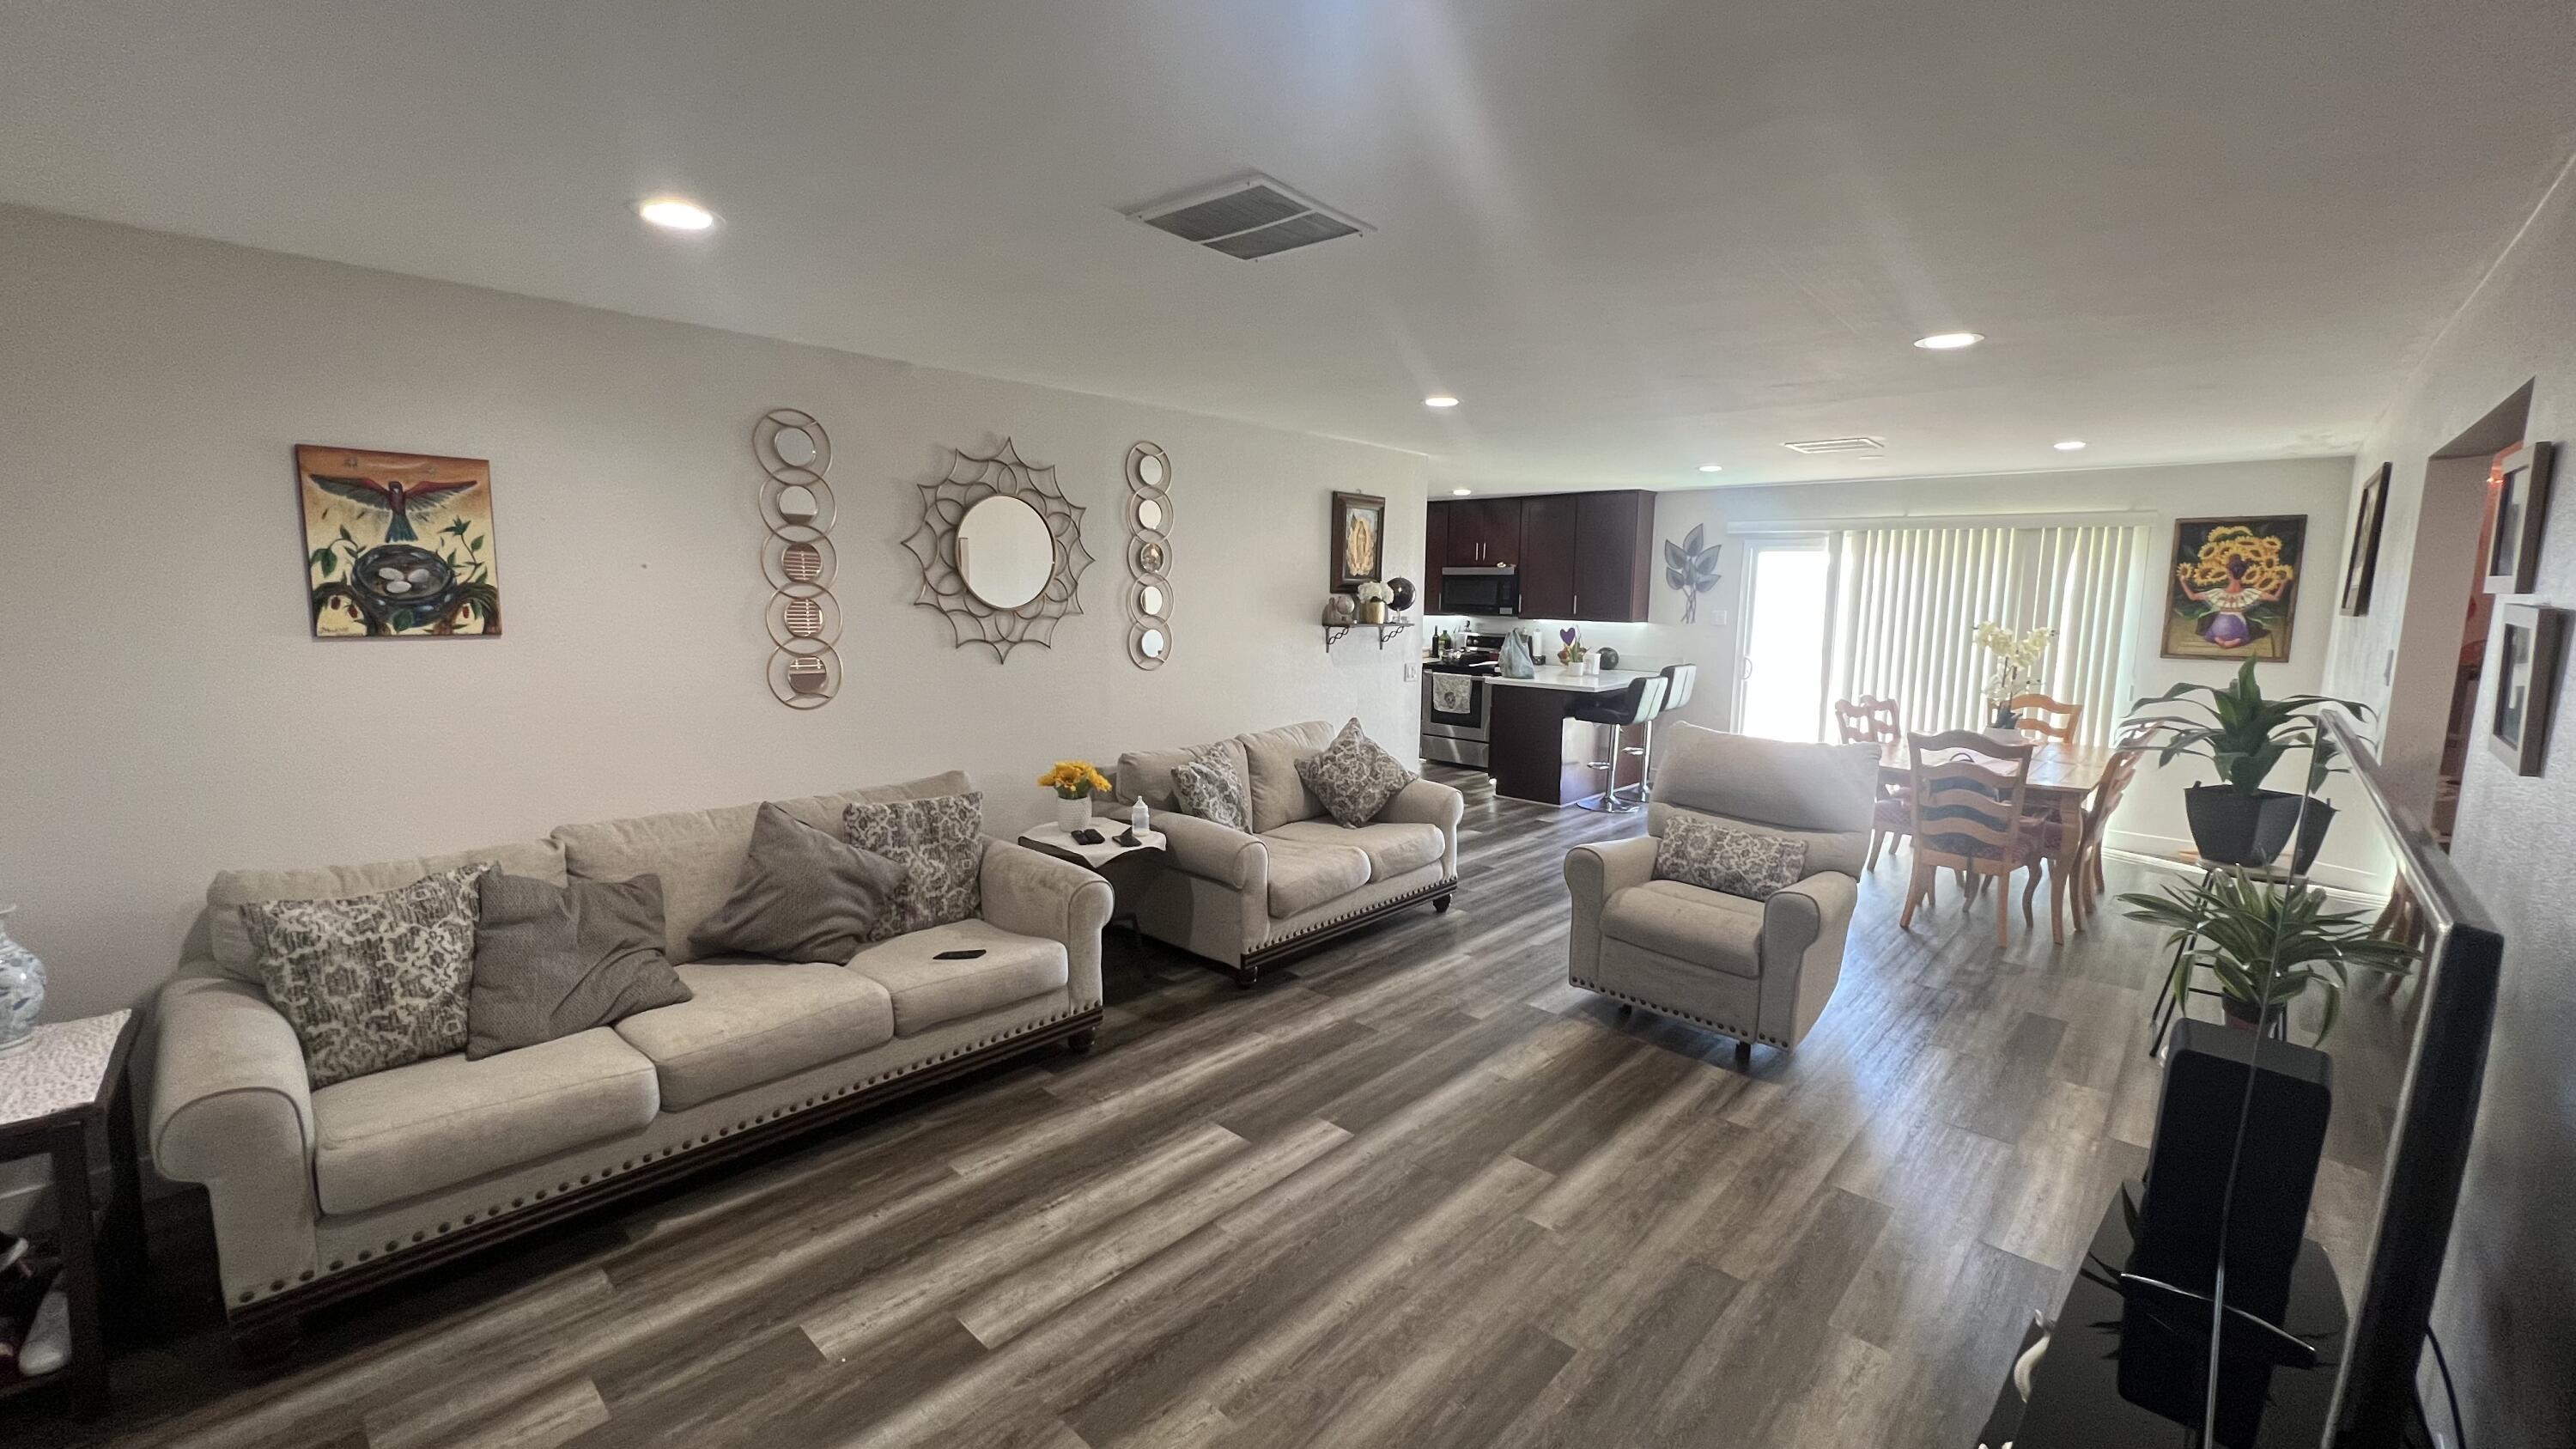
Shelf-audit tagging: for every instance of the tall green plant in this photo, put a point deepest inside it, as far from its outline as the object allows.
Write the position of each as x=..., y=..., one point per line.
x=2241, y=733
x=2264, y=945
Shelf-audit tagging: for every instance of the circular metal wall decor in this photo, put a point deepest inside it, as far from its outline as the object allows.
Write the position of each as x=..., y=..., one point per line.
x=797, y=558
x=1149, y=556
x=1001, y=576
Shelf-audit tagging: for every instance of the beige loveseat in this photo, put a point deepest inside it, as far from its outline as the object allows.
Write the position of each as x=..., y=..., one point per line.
x=320, y=1193
x=1756, y=970
x=1297, y=878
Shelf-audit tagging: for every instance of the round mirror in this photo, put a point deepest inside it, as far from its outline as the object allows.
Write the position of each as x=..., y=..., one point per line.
x=1150, y=599
x=1149, y=470
x=1150, y=644
x=795, y=447
x=797, y=503
x=1149, y=514
x=1004, y=551
x=1149, y=557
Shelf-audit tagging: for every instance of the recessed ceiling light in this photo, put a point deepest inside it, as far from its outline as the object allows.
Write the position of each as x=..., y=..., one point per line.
x=1712, y=468
x=1949, y=341
x=1440, y=400
x=1462, y=492
x=2070, y=445
x=675, y=213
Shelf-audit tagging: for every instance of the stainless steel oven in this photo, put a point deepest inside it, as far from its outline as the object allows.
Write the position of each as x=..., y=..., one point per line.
x=1493, y=593
x=1457, y=715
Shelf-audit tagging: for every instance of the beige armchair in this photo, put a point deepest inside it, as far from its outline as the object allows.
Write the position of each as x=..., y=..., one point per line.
x=1756, y=970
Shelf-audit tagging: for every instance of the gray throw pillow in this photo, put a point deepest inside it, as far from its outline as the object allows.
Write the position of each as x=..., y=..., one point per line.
x=551, y=960
x=1208, y=786
x=802, y=895
x=1747, y=863
x=939, y=843
x=1353, y=776
x=370, y=982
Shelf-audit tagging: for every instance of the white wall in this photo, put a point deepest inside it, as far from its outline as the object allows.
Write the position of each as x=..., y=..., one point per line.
x=2508, y=1304
x=2152, y=818
x=164, y=712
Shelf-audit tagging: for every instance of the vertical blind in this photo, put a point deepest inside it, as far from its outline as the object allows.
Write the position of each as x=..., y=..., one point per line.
x=1908, y=600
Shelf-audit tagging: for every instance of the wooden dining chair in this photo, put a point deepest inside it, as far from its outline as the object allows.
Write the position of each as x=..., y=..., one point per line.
x=1966, y=802
x=2077, y=858
x=1873, y=721
x=2042, y=715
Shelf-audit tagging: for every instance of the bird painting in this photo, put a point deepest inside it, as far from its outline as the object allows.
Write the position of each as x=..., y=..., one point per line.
x=398, y=544
x=395, y=497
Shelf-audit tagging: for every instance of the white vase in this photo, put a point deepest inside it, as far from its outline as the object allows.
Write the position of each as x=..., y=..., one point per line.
x=22, y=989
x=1074, y=814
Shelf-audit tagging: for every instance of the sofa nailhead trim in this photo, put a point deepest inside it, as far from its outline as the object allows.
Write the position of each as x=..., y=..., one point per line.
x=1737, y=1032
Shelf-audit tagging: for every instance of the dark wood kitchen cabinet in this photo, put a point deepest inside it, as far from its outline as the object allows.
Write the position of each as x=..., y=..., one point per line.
x=1484, y=533
x=1435, y=553
x=1587, y=557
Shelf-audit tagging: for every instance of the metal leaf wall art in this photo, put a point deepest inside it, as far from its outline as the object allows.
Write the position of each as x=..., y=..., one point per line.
x=973, y=478
x=1691, y=567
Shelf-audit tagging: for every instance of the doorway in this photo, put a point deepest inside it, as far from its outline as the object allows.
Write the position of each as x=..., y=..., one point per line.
x=1780, y=649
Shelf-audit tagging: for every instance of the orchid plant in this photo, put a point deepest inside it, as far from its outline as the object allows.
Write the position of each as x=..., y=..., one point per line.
x=2017, y=656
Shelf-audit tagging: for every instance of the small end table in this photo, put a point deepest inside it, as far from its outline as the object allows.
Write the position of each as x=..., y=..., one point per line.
x=1129, y=869
x=54, y=1092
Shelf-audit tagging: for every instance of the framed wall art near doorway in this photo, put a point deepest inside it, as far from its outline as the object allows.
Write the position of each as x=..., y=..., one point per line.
x=2530, y=642
x=2361, y=567
x=2233, y=591
x=2517, y=504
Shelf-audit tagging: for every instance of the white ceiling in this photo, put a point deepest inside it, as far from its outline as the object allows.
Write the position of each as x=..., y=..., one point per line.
x=1633, y=236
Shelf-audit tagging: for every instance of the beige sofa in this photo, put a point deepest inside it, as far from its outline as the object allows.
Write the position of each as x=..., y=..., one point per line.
x=320, y=1193
x=1298, y=878
x=1756, y=970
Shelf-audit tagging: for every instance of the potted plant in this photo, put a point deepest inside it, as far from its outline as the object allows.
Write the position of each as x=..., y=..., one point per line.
x=2243, y=735
x=2263, y=945
x=2016, y=670
x=1073, y=782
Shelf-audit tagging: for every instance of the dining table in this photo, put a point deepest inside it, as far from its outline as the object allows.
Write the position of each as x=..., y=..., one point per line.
x=2062, y=774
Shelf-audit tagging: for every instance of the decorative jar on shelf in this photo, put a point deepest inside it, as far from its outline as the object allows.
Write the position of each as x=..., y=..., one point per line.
x=1372, y=611
x=22, y=989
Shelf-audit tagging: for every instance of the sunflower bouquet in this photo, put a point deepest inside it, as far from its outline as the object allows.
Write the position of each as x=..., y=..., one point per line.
x=1074, y=779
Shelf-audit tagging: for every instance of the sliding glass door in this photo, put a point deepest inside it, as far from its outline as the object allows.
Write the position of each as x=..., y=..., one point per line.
x=1780, y=646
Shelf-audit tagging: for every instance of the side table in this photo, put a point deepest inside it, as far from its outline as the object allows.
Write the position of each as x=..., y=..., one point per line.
x=55, y=1092
x=1127, y=868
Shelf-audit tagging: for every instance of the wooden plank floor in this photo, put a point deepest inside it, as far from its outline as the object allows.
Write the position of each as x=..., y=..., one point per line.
x=1418, y=1193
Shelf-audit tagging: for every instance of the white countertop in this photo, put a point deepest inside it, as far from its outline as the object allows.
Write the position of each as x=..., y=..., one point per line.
x=1552, y=676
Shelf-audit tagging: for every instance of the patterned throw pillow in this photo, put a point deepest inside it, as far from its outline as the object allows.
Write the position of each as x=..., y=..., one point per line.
x=1210, y=787
x=372, y=982
x=1353, y=777
x=1744, y=863
x=939, y=843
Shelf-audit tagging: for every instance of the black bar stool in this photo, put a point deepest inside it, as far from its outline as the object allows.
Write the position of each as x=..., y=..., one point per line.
x=1637, y=704
x=1678, y=680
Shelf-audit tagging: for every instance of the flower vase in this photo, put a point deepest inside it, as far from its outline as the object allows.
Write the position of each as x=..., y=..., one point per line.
x=22, y=989
x=1372, y=611
x=1072, y=813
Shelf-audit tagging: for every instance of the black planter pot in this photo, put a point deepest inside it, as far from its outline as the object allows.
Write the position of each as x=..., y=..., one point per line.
x=2312, y=834
x=2233, y=829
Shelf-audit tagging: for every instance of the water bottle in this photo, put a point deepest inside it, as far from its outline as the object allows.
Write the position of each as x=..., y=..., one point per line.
x=1138, y=817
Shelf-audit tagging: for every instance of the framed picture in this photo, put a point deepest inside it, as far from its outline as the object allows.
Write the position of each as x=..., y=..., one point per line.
x=2234, y=587
x=397, y=545
x=1358, y=541
x=2361, y=567
x=2529, y=642
x=2517, y=505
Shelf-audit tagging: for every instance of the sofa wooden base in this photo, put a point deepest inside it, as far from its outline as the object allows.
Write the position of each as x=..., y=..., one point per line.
x=1248, y=972
x=266, y=1331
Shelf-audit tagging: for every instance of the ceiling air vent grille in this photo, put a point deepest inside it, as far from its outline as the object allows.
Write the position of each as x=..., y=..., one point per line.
x=1250, y=217
x=1814, y=446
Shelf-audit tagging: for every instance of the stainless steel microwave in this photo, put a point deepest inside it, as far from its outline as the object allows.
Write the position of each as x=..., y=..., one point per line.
x=1490, y=593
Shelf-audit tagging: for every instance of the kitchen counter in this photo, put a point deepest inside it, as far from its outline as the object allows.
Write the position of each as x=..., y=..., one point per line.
x=1554, y=677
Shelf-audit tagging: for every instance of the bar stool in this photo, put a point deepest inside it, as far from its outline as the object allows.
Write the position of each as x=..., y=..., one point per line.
x=1634, y=705
x=1678, y=679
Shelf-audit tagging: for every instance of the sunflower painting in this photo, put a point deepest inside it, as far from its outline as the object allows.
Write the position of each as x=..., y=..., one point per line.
x=398, y=544
x=2234, y=588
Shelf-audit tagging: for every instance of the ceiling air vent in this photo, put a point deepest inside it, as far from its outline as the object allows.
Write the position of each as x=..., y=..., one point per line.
x=1250, y=217
x=1814, y=446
